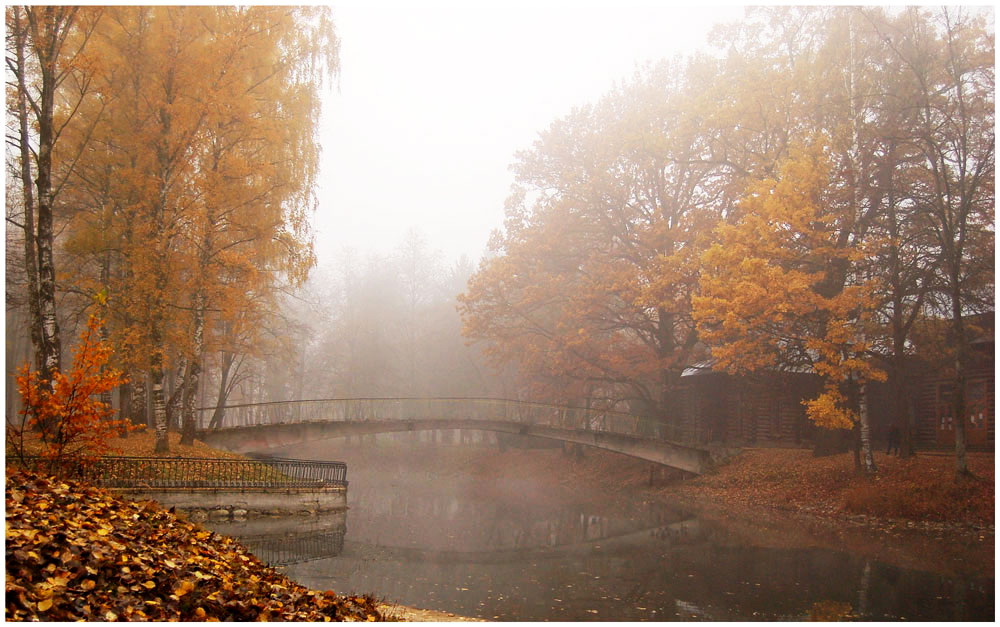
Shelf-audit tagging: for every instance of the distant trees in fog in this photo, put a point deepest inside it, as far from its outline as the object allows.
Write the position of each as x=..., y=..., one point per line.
x=382, y=326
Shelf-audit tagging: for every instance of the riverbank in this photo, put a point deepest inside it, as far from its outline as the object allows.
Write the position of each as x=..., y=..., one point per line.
x=49, y=523
x=912, y=514
x=75, y=552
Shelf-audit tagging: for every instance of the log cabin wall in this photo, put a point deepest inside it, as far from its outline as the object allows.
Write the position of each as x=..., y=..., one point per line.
x=763, y=410
x=767, y=409
x=935, y=428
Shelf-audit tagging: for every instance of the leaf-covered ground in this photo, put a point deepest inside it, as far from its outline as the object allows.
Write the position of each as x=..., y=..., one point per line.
x=919, y=489
x=75, y=552
x=141, y=443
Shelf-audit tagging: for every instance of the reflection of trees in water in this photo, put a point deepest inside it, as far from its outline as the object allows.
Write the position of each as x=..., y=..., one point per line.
x=447, y=520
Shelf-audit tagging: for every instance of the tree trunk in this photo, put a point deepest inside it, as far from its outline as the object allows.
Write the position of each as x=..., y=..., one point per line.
x=220, y=404
x=147, y=400
x=193, y=372
x=159, y=409
x=106, y=395
x=125, y=405
x=902, y=417
x=173, y=395
x=856, y=438
x=45, y=37
x=961, y=376
x=24, y=137
x=190, y=387
x=867, y=458
x=666, y=345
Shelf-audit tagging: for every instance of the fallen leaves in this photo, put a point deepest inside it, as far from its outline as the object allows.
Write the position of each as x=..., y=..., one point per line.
x=917, y=489
x=87, y=555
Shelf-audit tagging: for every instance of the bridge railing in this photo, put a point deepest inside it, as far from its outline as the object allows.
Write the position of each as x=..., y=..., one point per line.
x=370, y=409
x=182, y=473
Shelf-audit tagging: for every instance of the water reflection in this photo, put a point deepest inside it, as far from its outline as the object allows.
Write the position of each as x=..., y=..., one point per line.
x=458, y=522
x=462, y=551
x=282, y=541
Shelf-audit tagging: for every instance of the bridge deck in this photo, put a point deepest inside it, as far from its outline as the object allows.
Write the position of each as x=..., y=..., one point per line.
x=260, y=426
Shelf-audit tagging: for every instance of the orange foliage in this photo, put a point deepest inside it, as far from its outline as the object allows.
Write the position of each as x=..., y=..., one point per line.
x=65, y=412
x=588, y=291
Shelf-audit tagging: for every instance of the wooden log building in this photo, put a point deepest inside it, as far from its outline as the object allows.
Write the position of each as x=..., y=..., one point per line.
x=766, y=409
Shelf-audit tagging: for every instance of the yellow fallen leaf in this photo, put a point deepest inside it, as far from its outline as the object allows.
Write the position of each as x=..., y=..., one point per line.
x=87, y=584
x=200, y=612
x=44, y=605
x=149, y=585
x=183, y=588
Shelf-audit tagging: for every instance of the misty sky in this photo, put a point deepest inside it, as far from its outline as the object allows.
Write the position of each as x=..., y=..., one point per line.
x=434, y=100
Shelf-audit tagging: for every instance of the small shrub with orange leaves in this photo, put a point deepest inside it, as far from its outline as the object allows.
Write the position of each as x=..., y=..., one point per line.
x=65, y=413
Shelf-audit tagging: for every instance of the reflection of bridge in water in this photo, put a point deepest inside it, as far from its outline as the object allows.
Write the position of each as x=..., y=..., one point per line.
x=262, y=426
x=284, y=549
x=682, y=532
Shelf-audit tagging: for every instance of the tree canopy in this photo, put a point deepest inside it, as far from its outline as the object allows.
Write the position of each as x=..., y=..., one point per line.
x=188, y=155
x=795, y=200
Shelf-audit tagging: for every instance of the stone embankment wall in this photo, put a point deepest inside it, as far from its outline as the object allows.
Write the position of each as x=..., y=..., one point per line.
x=220, y=504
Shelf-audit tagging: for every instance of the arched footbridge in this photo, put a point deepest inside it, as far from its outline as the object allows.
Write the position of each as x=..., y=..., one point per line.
x=262, y=426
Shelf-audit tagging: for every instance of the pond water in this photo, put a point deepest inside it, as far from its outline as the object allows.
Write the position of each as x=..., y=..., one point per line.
x=473, y=552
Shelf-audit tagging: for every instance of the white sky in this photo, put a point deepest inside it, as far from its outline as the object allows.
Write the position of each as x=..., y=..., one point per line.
x=434, y=100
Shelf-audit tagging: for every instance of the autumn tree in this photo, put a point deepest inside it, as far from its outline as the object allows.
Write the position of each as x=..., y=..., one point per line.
x=250, y=232
x=850, y=84
x=949, y=58
x=71, y=420
x=207, y=163
x=766, y=300
x=45, y=47
x=588, y=286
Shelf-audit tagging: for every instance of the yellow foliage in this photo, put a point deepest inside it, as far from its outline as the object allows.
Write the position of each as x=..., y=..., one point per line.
x=770, y=294
x=828, y=411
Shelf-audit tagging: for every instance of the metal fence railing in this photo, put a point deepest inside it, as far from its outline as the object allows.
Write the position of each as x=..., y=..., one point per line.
x=179, y=473
x=383, y=409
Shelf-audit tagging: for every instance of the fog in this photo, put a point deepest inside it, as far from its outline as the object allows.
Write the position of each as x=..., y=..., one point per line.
x=434, y=99
x=431, y=106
